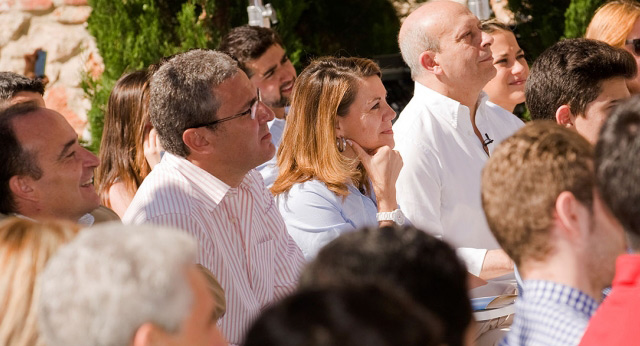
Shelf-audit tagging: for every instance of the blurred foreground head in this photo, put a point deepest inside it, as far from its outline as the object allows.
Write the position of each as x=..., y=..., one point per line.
x=127, y=285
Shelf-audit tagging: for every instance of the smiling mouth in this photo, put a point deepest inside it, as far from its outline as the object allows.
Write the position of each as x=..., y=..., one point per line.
x=88, y=183
x=287, y=87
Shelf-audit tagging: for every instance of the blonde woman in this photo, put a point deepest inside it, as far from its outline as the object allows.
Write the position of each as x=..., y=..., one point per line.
x=25, y=247
x=337, y=166
x=617, y=23
x=506, y=89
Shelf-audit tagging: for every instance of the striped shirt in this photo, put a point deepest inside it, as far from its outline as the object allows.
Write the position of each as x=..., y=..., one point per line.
x=241, y=235
x=548, y=313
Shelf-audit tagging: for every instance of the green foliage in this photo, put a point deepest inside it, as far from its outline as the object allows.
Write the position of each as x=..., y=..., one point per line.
x=540, y=23
x=132, y=34
x=578, y=16
x=349, y=27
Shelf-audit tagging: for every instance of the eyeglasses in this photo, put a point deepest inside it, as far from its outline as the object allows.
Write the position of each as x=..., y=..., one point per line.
x=251, y=111
x=636, y=45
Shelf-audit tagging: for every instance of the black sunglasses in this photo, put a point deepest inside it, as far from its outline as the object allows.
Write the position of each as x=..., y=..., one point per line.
x=636, y=45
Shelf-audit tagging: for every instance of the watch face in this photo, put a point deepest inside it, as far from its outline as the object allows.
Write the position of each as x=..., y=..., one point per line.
x=399, y=217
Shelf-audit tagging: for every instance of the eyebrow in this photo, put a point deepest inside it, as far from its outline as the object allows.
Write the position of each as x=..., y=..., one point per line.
x=66, y=147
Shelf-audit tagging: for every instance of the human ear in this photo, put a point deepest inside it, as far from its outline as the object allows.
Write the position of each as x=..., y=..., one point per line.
x=429, y=61
x=339, y=127
x=150, y=335
x=21, y=186
x=570, y=213
x=564, y=117
x=196, y=140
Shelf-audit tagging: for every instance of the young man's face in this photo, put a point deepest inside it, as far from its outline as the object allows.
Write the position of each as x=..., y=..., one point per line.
x=612, y=92
x=274, y=75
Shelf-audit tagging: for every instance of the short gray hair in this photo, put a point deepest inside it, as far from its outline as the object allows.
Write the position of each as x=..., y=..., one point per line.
x=182, y=94
x=414, y=39
x=100, y=288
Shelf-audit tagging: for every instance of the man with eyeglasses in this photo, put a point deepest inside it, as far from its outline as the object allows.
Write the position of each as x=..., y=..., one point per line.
x=576, y=83
x=260, y=53
x=213, y=126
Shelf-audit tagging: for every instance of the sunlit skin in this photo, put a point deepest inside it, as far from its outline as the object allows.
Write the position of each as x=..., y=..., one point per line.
x=234, y=147
x=368, y=122
x=588, y=125
x=367, y=126
x=634, y=84
x=274, y=74
x=506, y=89
x=65, y=189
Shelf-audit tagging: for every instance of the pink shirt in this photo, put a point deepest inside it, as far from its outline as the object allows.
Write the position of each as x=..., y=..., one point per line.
x=242, y=237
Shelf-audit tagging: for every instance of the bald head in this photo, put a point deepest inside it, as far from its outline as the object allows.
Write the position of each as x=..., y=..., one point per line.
x=422, y=29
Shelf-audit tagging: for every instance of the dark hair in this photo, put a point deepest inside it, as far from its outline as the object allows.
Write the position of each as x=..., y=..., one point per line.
x=494, y=24
x=13, y=83
x=182, y=94
x=126, y=122
x=348, y=316
x=246, y=43
x=14, y=159
x=616, y=160
x=571, y=72
x=425, y=268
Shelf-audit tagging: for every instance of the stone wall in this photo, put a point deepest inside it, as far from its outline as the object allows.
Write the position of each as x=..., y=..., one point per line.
x=58, y=27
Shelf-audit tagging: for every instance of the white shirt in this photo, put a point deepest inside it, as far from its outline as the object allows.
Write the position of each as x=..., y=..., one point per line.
x=439, y=184
x=269, y=169
x=241, y=236
x=315, y=215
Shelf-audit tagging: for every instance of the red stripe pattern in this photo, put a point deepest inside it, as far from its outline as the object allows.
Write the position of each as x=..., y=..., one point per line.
x=241, y=235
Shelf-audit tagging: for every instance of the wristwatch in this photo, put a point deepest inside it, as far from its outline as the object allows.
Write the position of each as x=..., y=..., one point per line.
x=396, y=216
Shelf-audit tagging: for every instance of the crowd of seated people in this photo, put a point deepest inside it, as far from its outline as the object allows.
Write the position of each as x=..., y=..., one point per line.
x=247, y=204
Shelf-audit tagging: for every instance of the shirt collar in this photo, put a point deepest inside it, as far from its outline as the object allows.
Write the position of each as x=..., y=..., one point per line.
x=447, y=108
x=86, y=219
x=204, y=182
x=542, y=291
x=627, y=270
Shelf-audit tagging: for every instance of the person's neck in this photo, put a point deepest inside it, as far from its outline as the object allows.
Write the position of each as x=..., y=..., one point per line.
x=565, y=269
x=279, y=112
x=507, y=106
x=228, y=174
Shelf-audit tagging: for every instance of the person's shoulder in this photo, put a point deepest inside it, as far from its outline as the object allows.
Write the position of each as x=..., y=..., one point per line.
x=500, y=114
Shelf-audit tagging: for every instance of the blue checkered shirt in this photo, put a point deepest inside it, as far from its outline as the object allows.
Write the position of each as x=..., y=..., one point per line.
x=548, y=313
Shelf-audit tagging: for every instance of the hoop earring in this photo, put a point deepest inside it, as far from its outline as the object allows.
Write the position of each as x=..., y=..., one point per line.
x=341, y=143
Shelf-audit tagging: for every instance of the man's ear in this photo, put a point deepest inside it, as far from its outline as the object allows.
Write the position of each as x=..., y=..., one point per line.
x=564, y=116
x=429, y=62
x=149, y=335
x=196, y=140
x=22, y=187
x=570, y=213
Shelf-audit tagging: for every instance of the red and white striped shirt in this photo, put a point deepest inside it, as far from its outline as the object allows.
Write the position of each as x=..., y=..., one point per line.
x=241, y=235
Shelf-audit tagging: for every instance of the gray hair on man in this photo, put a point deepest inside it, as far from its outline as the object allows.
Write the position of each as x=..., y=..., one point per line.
x=100, y=288
x=182, y=94
x=413, y=39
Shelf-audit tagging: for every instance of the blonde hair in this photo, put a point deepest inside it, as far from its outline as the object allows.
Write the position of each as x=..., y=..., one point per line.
x=613, y=21
x=324, y=91
x=216, y=291
x=25, y=247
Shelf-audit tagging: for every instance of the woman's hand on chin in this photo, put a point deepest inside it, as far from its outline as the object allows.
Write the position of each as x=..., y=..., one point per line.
x=383, y=167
